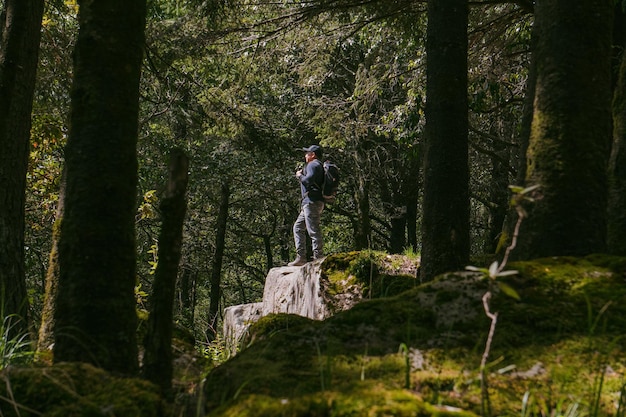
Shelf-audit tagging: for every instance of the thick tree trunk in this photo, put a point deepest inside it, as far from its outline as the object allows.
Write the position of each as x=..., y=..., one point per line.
x=19, y=51
x=157, y=364
x=216, y=269
x=617, y=169
x=445, y=231
x=96, y=310
x=571, y=130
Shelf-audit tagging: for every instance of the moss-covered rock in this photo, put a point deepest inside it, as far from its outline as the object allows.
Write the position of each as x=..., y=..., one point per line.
x=561, y=345
x=76, y=390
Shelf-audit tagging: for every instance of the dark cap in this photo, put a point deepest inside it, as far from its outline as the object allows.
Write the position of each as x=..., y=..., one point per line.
x=314, y=148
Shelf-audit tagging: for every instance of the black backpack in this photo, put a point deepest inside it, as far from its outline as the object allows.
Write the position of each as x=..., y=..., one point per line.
x=331, y=182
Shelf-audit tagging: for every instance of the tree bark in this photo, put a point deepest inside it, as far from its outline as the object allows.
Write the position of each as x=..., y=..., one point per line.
x=46, y=329
x=498, y=195
x=157, y=364
x=571, y=130
x=19, y=52
x=617, y=169
x=96, y=310
x=362, y=225
x=216, y=269
x=445, y=227
x=187, y=295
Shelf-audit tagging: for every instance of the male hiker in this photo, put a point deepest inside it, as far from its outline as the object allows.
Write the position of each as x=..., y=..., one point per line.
x=311, y=181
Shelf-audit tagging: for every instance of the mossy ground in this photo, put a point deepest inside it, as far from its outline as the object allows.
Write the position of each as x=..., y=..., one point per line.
x=76, y=390
x=418, y=353
x=558, y=351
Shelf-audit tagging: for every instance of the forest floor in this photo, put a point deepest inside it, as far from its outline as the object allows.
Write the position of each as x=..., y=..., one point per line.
x=559, y=350
x=411, y=350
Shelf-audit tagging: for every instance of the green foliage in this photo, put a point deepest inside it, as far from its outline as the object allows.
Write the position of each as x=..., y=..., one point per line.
x=14, y=348
x=378, y=274
x=216, y=351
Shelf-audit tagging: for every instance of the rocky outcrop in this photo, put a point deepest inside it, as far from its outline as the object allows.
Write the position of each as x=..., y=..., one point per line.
x=294, y=290
x=297, y=290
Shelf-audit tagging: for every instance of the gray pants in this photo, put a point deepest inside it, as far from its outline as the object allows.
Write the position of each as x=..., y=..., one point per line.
x=309, y=220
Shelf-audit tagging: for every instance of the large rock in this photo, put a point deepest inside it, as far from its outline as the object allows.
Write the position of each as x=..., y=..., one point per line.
x=292, y=290
x=309, y=292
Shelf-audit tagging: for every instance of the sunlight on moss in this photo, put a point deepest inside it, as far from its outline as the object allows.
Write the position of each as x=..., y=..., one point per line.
x=561, y=344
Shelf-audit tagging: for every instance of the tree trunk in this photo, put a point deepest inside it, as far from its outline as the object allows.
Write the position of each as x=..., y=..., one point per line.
x=617, y=169
x=19, y=51
x=498, y=194
x=397, y=242
x=216, y=270
x=445, y=232
x=362, y=225
x=46, y=329
x=187, y=291
x=411, y=186
x=96, y=316
x=393, y=198
x=571, y=130
x=157, y=364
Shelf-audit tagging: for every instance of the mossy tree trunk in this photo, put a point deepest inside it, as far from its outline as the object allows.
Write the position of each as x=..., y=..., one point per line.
x=45, y=339
x=20, y=24
x=571, y=130
x=157, y=365
x=445, y=223
x=617, y=169
x=95, y=317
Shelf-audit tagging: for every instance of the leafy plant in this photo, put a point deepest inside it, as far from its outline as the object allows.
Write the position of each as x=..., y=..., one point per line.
x=216, y=350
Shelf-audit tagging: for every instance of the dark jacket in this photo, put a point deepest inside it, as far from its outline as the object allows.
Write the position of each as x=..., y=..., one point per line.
x=311, y=182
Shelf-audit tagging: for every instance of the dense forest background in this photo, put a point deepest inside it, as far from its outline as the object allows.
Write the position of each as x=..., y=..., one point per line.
x=239, y=87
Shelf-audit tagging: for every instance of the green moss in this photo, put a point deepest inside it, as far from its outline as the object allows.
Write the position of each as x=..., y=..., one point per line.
x=376, y=273
x=72, y=389
x=266, y=326
x=553, y=346
x=371, y=401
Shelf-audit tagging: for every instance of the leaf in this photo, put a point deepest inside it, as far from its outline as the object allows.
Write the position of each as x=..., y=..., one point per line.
x=508, y=290
x=493, y=269
x=474, y=268
x=483, y=271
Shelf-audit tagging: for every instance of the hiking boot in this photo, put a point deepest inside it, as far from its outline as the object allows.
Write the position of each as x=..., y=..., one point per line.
x=298, y=262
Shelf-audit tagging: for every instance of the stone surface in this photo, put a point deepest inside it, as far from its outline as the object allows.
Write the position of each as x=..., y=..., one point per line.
x=237, y=319
x=292, y=290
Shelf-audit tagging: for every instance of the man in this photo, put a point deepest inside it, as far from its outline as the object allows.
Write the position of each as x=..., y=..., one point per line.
x=311, y=179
